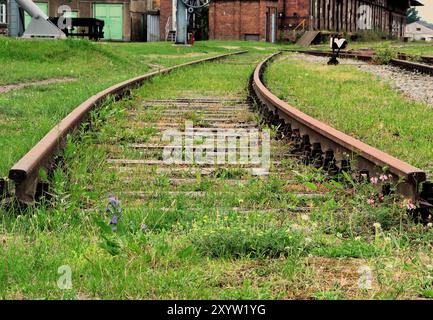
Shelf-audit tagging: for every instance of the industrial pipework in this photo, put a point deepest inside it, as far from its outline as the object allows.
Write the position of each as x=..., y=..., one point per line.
x=184, y=8
x=40, y=26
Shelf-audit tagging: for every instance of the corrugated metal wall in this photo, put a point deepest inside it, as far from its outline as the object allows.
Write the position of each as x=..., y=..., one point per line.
x=15, y=26
x=152, y=28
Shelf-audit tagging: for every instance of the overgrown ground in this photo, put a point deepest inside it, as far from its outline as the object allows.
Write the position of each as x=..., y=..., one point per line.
x=414, y=48
x=358, y=104
x=183, y=247
x=91, y=67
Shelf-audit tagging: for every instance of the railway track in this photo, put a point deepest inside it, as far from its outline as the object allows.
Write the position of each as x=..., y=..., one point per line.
x=323, y=146
x=139, y=165
x=144, y=173
x=25, y=174
x=425, y=65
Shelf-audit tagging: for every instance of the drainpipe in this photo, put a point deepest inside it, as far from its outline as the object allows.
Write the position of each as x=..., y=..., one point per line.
x=311, y=20
x=283, y=18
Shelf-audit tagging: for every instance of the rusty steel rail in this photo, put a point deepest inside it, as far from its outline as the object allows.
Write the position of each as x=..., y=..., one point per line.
x=422, y=59
x=344, y=55
x=25, y=173
x=333, y=150
x=424, y=68
x=413, y=66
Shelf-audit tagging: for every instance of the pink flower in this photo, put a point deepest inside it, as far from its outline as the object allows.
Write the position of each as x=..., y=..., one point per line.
x=370, y=201
x=381, y=197
x=383, y=177
x=374, y=180
x=410, y=205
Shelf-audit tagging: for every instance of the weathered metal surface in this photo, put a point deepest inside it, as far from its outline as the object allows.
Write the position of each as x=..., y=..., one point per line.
x=25, y=173
x=344, y=55
x=413, y=66
x=332, y=148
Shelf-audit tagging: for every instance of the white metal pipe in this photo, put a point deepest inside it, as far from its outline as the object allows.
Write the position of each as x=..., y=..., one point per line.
x=32, y=9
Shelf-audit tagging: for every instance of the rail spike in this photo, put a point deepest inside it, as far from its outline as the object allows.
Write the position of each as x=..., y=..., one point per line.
x=367, y=160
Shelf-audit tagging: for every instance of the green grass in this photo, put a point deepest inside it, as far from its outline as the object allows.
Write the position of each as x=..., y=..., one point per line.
x=200, y=248
x=415, y=48
x=92, y=66
x=358, y=104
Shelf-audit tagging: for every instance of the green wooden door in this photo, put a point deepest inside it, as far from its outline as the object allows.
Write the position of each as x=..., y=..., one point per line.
x=42, y=5
x=112, y=14
x=70, y=14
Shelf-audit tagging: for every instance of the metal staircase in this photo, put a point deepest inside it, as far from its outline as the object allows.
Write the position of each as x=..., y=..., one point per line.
x=307, y=38
x=170, y=34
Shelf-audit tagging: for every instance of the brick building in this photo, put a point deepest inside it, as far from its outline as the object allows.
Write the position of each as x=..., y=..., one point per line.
x=243, y=20
x=269, y=20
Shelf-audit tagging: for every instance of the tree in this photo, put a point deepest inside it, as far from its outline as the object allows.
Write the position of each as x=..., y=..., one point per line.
x=412, y=15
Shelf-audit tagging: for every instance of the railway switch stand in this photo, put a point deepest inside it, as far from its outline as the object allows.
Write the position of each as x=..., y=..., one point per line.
x=337, y=44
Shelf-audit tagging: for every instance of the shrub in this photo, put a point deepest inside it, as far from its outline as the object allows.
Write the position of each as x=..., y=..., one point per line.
x=245, y=237
x=384, y=55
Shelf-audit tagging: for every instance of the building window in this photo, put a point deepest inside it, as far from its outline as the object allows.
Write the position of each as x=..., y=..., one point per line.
x=3, y=13
x=418, y=29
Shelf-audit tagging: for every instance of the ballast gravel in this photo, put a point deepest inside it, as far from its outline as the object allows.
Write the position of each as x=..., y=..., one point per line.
x=414, y=85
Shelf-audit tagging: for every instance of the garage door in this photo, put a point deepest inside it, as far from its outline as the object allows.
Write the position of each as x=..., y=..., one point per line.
x=42, y=5
x=112, y=14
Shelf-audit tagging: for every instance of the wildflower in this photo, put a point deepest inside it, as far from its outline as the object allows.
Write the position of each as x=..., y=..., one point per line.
x=114, y=209
x=357, y=238
x=383, y=177
x=143, y=227
x=295, y=227
x=376, y=225
x=410, y=205
x=370, y=201
x=305, y=217
x=429, y=225
x=374, y=180
x=381, y=197
x=114, y=220
x=113, y=201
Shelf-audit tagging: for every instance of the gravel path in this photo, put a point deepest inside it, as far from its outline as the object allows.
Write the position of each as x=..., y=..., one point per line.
x=416, y=86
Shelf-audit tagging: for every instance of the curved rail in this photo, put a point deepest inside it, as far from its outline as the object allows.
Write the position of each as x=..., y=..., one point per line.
x=25, y=173
x=326, y=147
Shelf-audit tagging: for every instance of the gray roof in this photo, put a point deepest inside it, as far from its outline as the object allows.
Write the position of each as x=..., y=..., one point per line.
x=426, y=24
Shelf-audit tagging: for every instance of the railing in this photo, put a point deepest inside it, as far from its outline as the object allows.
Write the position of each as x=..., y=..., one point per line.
x=301, y=24
x=167, y=28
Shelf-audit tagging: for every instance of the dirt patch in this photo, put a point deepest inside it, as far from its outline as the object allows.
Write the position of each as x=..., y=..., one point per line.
x=231, y=47
x=157, y=57
x=347, y=275
x=16, y=86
